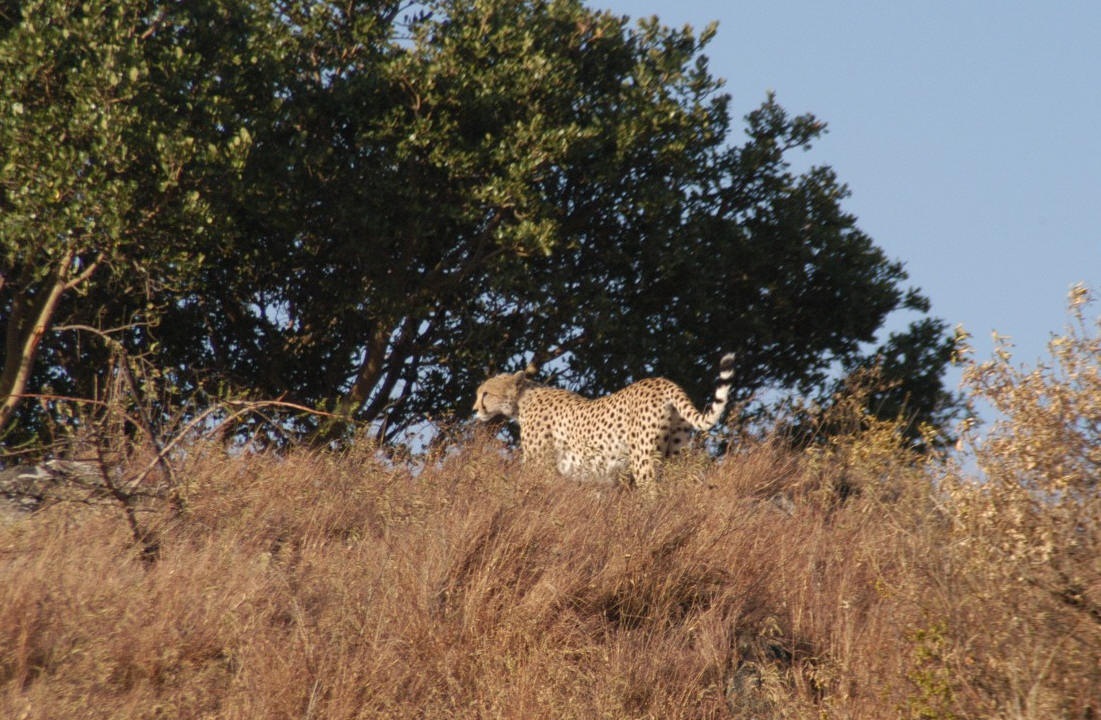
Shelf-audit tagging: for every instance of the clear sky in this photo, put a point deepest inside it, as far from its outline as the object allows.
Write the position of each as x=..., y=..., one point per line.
x=968, y=132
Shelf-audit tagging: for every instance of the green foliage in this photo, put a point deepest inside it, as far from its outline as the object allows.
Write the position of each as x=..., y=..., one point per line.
x=102, y=178
x=909, y=368
x=364, y=206
x=933, y=696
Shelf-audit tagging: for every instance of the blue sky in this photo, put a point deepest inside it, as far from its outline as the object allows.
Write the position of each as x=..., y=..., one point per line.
x=968, y=132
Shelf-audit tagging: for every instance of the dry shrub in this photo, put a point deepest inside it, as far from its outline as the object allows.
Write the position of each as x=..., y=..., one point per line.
x=1027, y=535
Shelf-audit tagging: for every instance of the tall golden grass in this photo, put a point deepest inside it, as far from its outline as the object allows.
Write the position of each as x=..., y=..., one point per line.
x=857, y=579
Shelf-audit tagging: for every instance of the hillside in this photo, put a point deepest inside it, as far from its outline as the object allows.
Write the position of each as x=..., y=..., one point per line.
x=853, y=578
x=339, y=586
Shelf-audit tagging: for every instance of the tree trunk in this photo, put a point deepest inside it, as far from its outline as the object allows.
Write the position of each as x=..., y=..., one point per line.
x=369, y=372
x=26, y=326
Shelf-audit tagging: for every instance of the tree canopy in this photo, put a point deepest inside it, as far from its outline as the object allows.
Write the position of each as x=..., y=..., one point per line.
x=364, y=206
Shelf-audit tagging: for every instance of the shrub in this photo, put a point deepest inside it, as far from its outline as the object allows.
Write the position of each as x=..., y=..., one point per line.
x=1026, y=535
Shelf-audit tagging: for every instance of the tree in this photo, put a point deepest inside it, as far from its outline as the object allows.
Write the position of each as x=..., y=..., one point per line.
x=101, y=179
x=401, y=196
x=438, y=189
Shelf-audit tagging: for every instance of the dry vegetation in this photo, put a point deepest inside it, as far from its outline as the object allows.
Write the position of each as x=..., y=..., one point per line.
x=856, y=580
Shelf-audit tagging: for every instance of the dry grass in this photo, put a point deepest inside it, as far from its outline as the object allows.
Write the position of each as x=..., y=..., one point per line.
x=330, y=586
x=322, y=586
x=856, y=580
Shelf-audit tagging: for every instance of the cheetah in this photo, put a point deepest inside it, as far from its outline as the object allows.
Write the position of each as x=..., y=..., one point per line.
x=623, y=435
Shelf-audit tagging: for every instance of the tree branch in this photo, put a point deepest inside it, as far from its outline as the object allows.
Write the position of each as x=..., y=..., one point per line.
x=22, y=351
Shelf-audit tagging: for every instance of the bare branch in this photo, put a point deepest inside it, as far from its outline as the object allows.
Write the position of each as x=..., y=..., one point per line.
x=83, y=274
x=106, y=334
x=246, y=407
x=542, y=357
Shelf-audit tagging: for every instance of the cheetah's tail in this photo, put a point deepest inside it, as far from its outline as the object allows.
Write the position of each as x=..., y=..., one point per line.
x=715, y=410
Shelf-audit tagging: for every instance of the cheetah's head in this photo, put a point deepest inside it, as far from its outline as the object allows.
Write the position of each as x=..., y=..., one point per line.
x=500, y=395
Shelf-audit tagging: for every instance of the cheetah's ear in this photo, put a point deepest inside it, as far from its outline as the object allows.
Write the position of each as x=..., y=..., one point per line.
x=520, y=377
x=531, y=370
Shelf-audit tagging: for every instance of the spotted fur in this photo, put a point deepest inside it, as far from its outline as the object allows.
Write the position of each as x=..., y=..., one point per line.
x=623, y=435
